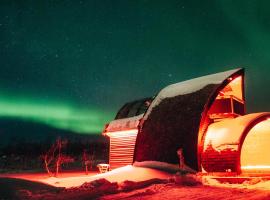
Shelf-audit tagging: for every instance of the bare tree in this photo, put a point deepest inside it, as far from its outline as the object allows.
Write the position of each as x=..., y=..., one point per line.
x=88, y=160
x=54, y=157
x=49, y=157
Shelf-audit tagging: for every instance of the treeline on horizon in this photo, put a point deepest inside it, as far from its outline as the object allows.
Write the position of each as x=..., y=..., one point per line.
x=17, y=156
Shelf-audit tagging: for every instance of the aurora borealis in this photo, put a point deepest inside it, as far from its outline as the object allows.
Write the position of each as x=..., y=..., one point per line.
x=61, y=116
x=72, y=64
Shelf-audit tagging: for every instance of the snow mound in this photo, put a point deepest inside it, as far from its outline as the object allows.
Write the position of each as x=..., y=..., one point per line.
x=140, y=171
x=101, y=187
x=91, y=190
x=167, y=167
x=126, y=173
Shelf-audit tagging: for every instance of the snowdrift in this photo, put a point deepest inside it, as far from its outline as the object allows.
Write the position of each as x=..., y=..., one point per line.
x=151, y=178
x=130, y=173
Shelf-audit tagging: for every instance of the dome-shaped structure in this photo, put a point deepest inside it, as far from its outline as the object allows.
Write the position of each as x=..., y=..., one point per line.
x=238, y=145
x=179, y=116
x=203, y=118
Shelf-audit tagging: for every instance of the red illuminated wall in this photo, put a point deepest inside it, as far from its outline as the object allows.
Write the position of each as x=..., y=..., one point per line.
x=122, y=148
x=220, y=161
x=228, y=104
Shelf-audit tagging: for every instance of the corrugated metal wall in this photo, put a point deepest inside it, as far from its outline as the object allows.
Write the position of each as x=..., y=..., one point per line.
x=122, y=149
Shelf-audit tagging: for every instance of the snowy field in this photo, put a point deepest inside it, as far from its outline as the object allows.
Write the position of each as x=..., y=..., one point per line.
x=129, y=183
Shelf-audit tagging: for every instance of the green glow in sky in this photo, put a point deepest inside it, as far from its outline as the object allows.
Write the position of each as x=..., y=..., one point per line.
x=55, y=114
x=72, y=60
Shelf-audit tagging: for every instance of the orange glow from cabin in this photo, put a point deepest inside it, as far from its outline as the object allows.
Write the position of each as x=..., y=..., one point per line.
x=214, y=137
x=222, y=135
x=255, y=155
x=229, y=102
x=219, y=135
x=256, y=167
x=234, y=88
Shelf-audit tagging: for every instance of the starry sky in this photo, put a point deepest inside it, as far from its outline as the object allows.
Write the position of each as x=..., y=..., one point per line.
x=73, y=64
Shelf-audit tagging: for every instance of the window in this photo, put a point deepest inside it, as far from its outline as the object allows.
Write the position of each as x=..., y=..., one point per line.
x=134, y=108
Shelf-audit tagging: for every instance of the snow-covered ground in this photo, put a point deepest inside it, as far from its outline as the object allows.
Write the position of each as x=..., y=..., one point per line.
x=254, y=183
x=131, y=182
x=199, y=192
x=118, y=175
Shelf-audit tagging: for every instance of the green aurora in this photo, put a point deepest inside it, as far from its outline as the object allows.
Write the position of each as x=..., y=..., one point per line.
x=73, y=64
x=55, y=114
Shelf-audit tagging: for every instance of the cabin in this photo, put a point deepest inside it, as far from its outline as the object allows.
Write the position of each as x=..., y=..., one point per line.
x=123, y=132
x=205, y=117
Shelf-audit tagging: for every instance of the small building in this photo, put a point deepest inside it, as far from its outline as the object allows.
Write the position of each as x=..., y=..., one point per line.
x=123, y=132
x=204, y=116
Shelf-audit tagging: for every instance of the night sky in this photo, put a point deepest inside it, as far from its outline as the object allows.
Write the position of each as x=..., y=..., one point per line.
x=72, y=64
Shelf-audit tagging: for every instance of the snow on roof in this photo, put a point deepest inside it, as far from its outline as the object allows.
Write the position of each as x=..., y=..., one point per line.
x=123, y=124
x=189, y=86
x=163, y=166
